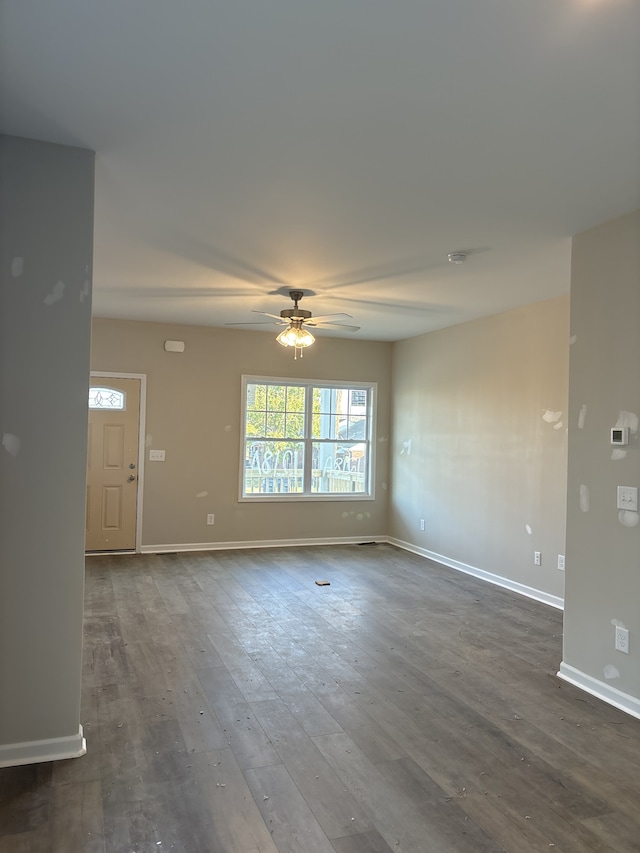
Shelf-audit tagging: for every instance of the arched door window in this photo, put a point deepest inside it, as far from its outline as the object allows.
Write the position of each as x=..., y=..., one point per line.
x=106, y=398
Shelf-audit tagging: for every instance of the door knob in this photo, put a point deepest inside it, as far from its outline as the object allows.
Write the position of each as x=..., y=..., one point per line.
x=131, y=478
x=132, y=465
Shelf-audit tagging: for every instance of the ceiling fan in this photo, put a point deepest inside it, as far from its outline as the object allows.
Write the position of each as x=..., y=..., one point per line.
x=297, y=321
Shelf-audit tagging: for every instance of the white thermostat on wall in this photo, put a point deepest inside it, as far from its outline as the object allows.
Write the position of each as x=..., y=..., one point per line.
x=619, y=435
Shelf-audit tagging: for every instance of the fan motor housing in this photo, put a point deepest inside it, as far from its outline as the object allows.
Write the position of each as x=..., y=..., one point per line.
x=295, y=313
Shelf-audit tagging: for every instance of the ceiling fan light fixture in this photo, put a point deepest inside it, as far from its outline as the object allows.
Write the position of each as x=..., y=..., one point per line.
x=297, y=337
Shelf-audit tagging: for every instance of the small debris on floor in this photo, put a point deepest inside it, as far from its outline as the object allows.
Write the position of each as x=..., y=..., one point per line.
x=323, y=583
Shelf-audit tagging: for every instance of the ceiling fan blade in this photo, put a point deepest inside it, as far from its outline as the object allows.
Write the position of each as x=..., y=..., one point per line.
x=266, y=314
x=257, y=323
x=394, y=304
x=334, y=325
x=329, y=316
x=183, y=292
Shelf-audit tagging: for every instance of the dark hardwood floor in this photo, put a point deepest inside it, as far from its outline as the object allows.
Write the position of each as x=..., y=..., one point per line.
x=231, y=705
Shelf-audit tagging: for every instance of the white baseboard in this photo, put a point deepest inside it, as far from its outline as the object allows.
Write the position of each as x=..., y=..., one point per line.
x=498, y=580
x=259, y=543
x=50, y=749
x=600, y=689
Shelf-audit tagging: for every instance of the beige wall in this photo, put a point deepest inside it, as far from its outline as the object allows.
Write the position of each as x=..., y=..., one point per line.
x=472, y=452
x=603, y=548
x=193, y=413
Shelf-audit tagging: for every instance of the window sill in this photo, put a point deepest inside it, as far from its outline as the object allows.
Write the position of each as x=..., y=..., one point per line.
x=291, y=498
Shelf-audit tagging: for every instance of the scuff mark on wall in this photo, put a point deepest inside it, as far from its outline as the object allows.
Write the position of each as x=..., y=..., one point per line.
x=529, y=529
x=84, y=290
x=582, y=414
x=202, y=494
x=618, y=453
x=384, y=486
x=628, y=518
x=56, y=294
x=610, y=671
x=11, y=443
x=148, y=441
x=227, y=428
x=572, y=340
x=550, y=416
x=584, y=498
x=17, y=267
x=617, y=623
x=627, y=419
x=406, y=447
x=559, y=425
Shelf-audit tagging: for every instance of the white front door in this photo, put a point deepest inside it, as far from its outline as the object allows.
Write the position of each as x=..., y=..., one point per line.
x=112, y=464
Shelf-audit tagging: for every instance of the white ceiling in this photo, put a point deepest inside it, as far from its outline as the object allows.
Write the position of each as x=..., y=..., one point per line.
x=339, y=146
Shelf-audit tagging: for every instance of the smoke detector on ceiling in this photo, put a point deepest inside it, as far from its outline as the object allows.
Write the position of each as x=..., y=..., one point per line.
x=457, y=257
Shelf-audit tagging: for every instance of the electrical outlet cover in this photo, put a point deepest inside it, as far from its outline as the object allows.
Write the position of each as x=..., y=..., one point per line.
x=622, y=639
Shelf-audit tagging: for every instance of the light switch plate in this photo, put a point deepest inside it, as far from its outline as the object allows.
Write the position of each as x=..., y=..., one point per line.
x=156, y=455
x=628, y=498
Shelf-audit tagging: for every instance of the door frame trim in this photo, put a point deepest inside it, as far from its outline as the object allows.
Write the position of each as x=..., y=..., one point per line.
x=114, y=374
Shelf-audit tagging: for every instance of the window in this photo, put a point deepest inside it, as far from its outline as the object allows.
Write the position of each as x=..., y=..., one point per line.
x=106, y=398
x=306, y=440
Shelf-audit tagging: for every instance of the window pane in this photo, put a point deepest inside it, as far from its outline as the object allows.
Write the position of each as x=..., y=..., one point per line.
x=294, y=427
x=256, y=423
x=273, y=467
x=326, y=426
x=106, y=398
x=276, y=398
x=358, y=399
x=354, y=428
x=339, y=467
x=256, y=398
x=275, y=425
x=325, y=400
x=295, y=399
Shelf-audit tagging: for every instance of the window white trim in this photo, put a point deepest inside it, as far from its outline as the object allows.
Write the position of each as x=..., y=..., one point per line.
x=309, y=384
